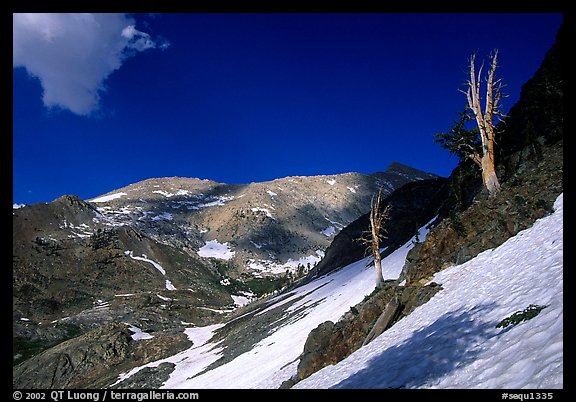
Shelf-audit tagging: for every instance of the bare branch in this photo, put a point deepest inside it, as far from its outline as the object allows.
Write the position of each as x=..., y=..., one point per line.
x=491, y=99
x=475, y=157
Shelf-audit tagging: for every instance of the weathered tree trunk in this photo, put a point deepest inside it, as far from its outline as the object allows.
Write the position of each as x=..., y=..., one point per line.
x=489, y=173
x=484, y=119
x=378, y=269
x=377, y=216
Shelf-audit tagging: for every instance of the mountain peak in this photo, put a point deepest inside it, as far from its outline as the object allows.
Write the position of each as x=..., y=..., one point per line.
x=398, y=167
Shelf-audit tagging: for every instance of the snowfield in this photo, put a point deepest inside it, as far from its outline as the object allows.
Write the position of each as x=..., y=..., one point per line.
x=450, y=342
x=329, y=231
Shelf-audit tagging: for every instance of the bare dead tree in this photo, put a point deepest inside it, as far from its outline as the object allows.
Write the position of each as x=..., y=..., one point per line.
x=375, y=235
x=485, y=118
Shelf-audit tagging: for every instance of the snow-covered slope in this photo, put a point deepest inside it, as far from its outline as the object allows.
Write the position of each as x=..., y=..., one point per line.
x=452, y=341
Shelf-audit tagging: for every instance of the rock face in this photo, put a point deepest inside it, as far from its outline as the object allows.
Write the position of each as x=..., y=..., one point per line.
x=490, y=221
x=94, y=359
x=71, y=272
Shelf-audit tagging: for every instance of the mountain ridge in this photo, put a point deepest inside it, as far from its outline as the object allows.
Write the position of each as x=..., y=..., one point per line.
x=393, y=166
x=164, y=253
x=267, y=227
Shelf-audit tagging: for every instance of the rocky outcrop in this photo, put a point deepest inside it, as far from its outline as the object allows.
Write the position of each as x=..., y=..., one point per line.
x=93, y=359
x=490, y=221
x=384, y=321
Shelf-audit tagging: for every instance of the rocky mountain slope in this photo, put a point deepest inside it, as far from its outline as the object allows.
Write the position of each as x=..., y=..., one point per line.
x=166, y=253
x=259, y=229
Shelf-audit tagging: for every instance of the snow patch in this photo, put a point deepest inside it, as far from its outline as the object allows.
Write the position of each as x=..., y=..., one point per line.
x=162, y=192
x=265, y=210
x=337, y=224
x=81, y=231
x=257, y=245
x=106, y=198
x=138, y=334
x=329, y=231
x=331, y=182
x=130, y=254
x=214, y=249
x=243, y=298
x=217, y=201
x=164, y=216
x=291, y=265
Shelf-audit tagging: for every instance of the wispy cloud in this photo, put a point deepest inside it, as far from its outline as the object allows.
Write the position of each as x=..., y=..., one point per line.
x=73, y=54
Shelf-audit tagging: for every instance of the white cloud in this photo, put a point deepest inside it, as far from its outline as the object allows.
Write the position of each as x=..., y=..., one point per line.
x=137, y=40
x=73, y=54
x=129, y=32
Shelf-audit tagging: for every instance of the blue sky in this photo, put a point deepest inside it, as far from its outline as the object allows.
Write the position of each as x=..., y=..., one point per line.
x=100, y=102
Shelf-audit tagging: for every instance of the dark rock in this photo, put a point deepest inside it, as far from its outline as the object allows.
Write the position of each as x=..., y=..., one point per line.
x=289, y=383
x=313, y=358
x=384, y=321
x=96, y=359
x=77, y=362
x=148, y=377
x=489, y=222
